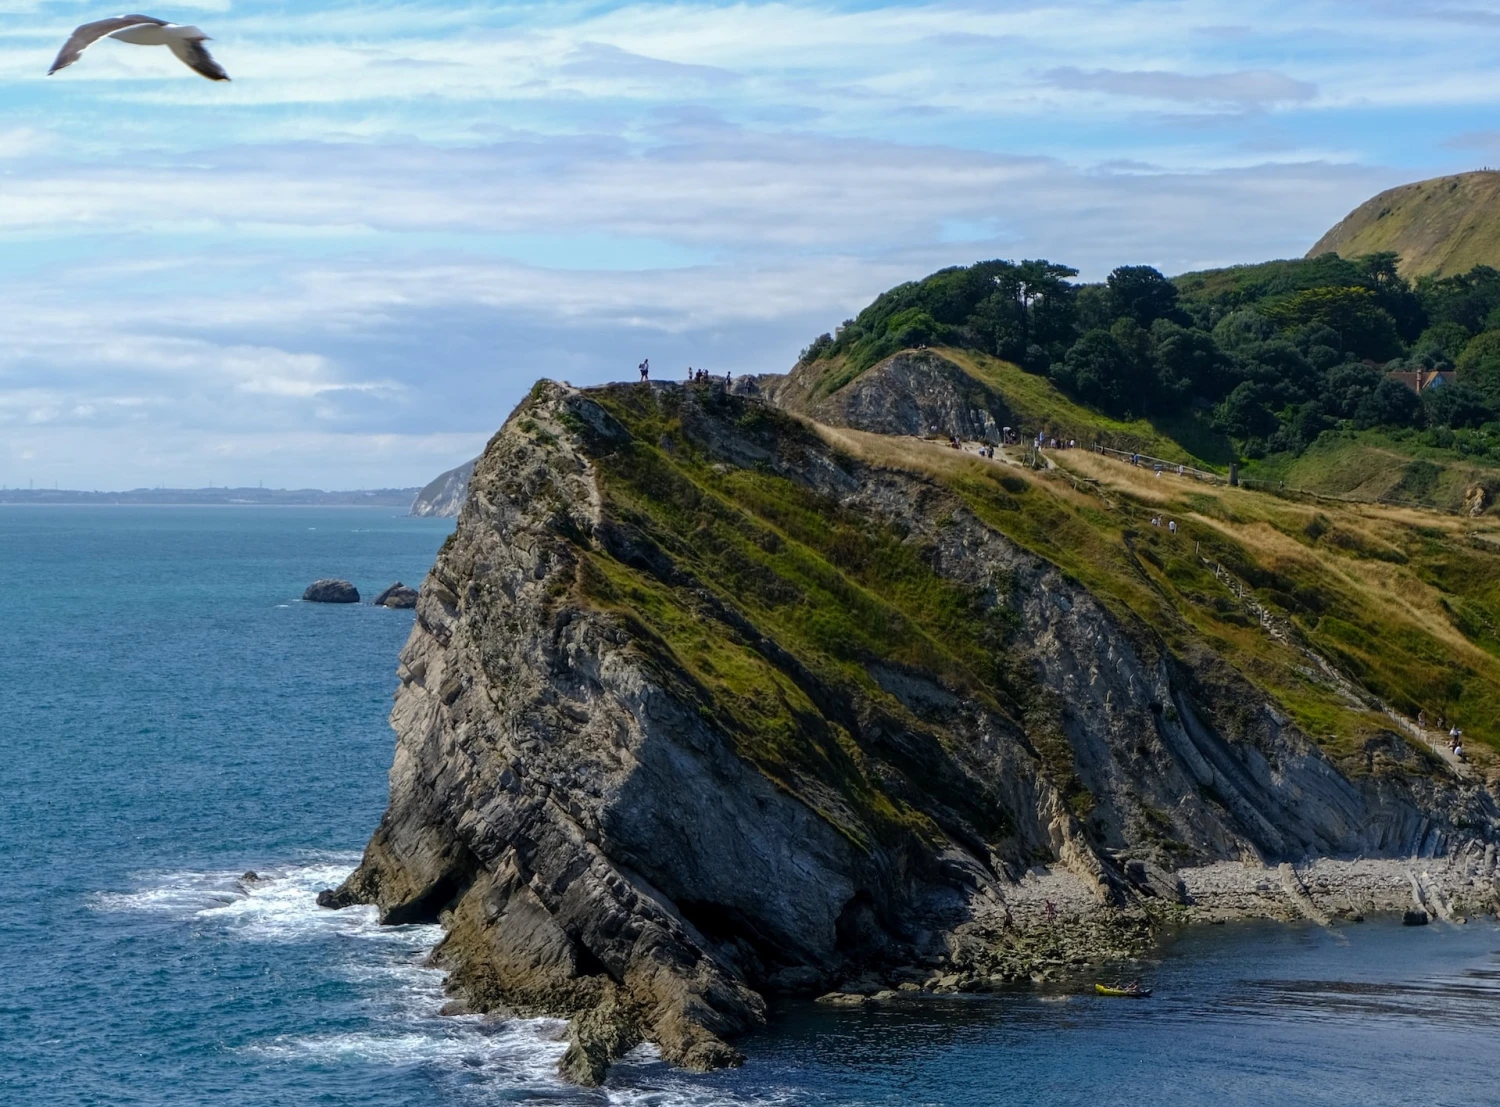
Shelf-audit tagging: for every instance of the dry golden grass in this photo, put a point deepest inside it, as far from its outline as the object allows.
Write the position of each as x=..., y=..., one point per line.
x=1399, y=598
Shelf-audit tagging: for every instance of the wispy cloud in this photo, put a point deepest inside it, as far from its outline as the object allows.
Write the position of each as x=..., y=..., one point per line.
x=1253, y=87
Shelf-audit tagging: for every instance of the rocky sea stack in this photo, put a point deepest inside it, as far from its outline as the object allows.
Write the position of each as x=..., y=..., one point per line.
x=329, y=590
x=397, y=595
x=704, y=703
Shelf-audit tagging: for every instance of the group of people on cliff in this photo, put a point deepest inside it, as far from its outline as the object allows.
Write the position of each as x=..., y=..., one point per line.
x=694, y=376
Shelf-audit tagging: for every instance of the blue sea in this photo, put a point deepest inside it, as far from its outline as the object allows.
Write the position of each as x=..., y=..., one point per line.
x=174, y=716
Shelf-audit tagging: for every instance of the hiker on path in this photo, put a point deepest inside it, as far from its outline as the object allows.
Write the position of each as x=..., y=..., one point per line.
x=1172, y=525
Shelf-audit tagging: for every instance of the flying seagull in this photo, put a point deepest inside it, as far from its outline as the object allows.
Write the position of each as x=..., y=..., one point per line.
x=143, y=30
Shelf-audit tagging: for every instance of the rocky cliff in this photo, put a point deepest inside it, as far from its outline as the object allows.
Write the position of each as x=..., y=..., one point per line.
x=444, y=494
x=916, y=392
x=705, y=704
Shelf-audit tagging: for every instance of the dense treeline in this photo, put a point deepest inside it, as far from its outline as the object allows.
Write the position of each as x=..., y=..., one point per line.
x=1272, y=354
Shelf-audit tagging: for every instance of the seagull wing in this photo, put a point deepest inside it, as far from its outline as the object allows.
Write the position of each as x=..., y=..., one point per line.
x=196, y=57
x=86, y=35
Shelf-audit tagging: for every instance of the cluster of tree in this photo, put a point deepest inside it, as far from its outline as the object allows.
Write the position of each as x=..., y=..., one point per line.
x=1273, y=354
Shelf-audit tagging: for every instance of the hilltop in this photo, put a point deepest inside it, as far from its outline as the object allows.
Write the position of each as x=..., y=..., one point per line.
x=1283, y=366
x=1440, y=227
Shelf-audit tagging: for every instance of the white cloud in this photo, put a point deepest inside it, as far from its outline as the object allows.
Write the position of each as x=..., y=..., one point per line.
x=398, y=215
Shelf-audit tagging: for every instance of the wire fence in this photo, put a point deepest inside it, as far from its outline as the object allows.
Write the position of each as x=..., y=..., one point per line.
x=1163, y=464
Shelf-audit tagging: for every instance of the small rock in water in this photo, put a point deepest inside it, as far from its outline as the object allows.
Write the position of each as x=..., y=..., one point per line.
x=1415, y=918
x=397, y=595
x=335, y=899
x=249, y=876
x=329, y=590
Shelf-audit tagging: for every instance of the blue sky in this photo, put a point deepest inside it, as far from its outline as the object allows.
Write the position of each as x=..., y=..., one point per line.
x=344, y=268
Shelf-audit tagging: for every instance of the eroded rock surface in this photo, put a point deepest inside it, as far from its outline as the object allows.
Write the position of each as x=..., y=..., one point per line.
x=397, y=595
x=330, y=590
x=917, y=392
x=698, y=709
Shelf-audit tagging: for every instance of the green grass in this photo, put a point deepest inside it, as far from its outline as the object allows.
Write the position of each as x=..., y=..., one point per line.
x=1402, y=467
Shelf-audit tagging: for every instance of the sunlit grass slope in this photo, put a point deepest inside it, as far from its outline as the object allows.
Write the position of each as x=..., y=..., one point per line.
x=1442, y=227
x=1375, y=465
x=1404, y=603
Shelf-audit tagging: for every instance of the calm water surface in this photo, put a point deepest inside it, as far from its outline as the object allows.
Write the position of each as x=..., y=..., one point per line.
x=174, y=716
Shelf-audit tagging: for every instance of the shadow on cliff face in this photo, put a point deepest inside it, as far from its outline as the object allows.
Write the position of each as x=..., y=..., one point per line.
x=698, y=706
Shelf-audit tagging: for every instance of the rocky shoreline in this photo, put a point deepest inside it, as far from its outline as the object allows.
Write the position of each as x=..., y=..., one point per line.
x=1051, y=926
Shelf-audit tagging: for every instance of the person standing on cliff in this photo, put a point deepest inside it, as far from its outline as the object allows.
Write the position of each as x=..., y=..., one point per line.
x=645, y=368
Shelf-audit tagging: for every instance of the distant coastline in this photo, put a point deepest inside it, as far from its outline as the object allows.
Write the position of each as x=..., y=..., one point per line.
x=210, y=497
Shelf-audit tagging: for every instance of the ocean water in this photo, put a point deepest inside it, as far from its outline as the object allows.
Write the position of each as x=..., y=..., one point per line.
x=174, y=716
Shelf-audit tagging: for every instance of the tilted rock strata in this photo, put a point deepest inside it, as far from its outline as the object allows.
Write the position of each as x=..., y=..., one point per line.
x=639, y=794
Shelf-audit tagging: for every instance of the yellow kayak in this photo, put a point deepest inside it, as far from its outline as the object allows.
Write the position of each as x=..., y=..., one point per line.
x=1123, y=993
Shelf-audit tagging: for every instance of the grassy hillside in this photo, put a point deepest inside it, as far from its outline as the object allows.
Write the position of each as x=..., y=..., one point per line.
x=1440, y=227
x=1404, y=604
x=1381, y=465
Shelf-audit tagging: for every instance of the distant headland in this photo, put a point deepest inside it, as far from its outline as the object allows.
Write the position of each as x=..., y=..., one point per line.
x=214, y=497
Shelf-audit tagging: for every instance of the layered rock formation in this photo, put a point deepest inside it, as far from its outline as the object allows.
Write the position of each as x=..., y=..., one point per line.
x=443, y=496
x=703, y=704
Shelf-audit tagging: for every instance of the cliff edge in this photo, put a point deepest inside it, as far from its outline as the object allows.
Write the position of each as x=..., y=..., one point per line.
x=705, y=703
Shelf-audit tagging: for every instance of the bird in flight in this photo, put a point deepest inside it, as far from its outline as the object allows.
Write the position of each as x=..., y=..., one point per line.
x=143, y=30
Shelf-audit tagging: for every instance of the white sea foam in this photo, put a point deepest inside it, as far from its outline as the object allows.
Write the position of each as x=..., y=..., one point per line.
x=279, y=904
x=491, y=1061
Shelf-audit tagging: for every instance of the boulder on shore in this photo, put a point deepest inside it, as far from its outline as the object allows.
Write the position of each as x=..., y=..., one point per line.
x=397, y=595
x=329, y=590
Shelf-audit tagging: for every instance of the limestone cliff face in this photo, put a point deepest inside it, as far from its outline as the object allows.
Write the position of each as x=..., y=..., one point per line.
x=443, y=496
x=700, y=708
